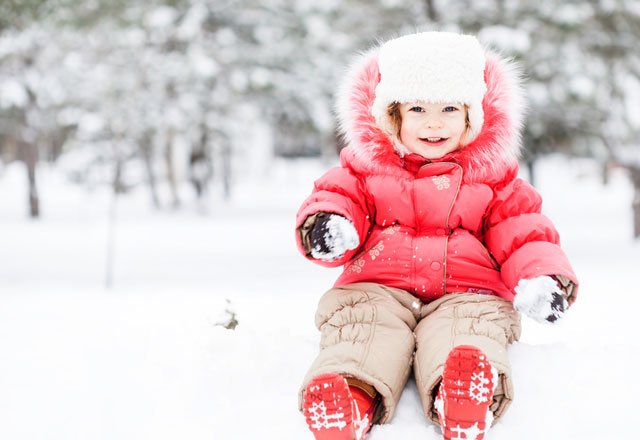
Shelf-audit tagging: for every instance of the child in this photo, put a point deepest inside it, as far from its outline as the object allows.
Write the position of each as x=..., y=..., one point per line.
x=438, y=238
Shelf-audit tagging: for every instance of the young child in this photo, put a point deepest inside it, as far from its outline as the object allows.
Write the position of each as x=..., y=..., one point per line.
x=438, y=238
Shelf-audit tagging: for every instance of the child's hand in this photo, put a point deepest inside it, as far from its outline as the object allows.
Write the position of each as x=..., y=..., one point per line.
x=540, y=299
x=332, y=235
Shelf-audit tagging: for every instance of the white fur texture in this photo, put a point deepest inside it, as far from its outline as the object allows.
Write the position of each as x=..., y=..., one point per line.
x=432, y=67
x=493, y=153
x=535, y=296
x=340, y=237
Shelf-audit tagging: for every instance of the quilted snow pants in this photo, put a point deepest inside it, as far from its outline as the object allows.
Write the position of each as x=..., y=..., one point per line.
x=376, y=334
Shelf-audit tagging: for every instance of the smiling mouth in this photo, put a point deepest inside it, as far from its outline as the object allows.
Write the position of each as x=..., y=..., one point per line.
x=433, y=140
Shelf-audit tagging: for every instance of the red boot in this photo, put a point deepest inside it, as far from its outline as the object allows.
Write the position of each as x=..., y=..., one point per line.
x=466, y=391
x=336, y=411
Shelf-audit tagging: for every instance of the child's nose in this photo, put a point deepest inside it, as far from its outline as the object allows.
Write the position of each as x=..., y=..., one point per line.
x=433, y=121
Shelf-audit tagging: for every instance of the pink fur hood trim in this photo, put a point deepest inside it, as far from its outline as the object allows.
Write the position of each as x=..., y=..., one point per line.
x=492, y=157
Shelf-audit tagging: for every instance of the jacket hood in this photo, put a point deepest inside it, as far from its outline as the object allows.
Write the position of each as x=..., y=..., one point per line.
x=492, y=157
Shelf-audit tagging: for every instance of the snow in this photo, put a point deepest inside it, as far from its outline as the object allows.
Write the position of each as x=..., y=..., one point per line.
x=340, y=237
x=572, y=14
x=582, y=86
x=12, y=93
x=202, y=64
x=160, y=17
x=148, y=358
x=505, y=38
x=536, y=297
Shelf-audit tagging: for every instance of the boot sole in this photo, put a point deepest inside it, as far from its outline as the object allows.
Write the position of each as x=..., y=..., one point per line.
x=469, y=392
x=327, y=408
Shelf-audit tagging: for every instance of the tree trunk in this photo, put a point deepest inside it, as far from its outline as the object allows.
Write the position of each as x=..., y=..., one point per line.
x=635, y=178
x=431, y=10
x=200, y=168
x=117, y=186
x=530, y=163
x=171, y=172
x=31, y=159
x=226, y=169
x=636, y=214
x=606, y=172
x=111, y=240
x=146, y=148
x=634, y=174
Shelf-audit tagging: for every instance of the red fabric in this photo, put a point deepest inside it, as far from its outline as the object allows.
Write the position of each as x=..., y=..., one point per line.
x=364, y=402
x=329, y=408
x=464, y=223
x=466, y=392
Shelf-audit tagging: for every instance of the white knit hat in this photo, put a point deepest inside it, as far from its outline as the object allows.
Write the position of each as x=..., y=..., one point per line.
x=431, y=67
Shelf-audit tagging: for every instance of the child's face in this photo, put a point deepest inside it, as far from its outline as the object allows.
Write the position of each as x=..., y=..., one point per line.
x=432, y=130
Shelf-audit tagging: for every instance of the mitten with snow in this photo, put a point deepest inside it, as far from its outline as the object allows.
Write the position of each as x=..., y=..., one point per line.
x=331, y=236
x=541, y=299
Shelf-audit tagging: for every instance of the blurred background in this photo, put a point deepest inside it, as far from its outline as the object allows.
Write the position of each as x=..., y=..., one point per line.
x=186, y=97
x=153, y=154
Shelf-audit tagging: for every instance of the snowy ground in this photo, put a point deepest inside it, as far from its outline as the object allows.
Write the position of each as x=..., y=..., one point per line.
x=146, y=360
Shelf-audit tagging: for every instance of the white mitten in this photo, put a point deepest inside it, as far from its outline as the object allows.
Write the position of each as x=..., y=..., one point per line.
x=540, y=299
x=332, y=235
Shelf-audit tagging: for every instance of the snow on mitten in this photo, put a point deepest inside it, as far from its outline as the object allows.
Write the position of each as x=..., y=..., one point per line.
x=540, y=299
x=332, y=235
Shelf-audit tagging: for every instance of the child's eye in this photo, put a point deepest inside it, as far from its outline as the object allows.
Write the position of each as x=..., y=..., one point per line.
x=449, y=108
x=416, y=109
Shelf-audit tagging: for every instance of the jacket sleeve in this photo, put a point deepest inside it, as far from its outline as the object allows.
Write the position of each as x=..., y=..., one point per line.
x=524, y=241
x=338, y=191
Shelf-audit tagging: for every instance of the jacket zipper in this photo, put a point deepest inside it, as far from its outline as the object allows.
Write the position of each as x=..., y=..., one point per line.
x=449, y=230
x=412, y=280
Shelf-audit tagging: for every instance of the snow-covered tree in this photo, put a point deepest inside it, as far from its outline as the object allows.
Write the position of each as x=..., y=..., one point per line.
x=168, y=91
x=33, y=91
x=613, y=39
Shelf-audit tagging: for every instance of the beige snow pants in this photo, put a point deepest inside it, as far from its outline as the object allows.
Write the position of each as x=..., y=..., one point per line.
x=375, y=334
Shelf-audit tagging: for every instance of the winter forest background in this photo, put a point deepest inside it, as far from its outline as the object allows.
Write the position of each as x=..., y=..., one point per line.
x=158, y=93
x=153, y=154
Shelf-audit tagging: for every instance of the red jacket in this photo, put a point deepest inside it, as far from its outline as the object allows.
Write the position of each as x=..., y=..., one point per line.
x=463, y=223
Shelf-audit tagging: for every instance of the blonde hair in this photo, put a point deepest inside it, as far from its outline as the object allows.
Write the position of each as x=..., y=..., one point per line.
x=393, y=111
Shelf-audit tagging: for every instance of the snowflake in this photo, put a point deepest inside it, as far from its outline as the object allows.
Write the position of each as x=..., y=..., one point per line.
x=357, y=265
x=322, y=420
x=391, y=230
x=478, y=389
x=441, y=182
x=373, y=253
x=470, y=433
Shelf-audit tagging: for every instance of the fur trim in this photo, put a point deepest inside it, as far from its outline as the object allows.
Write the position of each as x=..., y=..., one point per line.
x=492, y=157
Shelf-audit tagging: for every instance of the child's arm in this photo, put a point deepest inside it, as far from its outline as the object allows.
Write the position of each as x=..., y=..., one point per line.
x=527, y=247
x=334, y=220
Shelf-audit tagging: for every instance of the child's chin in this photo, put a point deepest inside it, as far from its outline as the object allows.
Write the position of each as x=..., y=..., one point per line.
x=434, y=153
x=430, y=152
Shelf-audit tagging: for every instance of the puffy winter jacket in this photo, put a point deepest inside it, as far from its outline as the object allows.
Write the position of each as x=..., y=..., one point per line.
x=462, y=223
